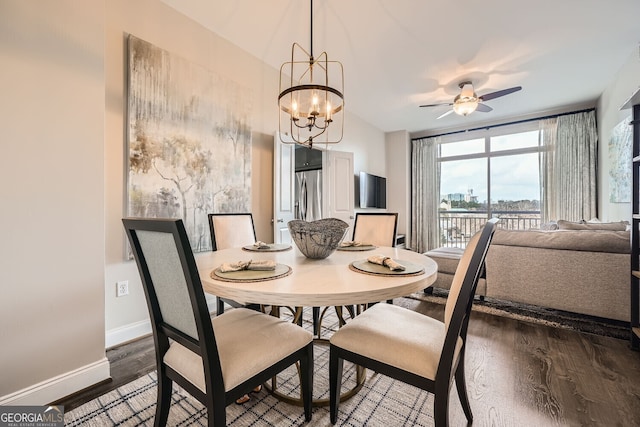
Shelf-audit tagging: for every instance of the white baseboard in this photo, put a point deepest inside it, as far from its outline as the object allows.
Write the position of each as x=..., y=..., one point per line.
x=127, y=333
x=136, y=330
x=58, y=387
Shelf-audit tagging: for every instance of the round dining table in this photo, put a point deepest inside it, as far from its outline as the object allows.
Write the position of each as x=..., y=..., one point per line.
x=331, y=281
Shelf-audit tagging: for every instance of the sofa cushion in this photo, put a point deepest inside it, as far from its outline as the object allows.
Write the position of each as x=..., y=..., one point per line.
x=446, y=258
x=612, y=226
x=576, y=240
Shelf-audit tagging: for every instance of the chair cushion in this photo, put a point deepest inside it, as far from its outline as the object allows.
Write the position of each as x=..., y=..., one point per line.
x=242, y=335
x=396, y=336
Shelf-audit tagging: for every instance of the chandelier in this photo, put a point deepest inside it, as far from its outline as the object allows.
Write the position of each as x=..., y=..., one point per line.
x=311, y=110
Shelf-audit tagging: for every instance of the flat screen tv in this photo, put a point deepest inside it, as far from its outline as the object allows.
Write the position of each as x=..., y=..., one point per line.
x=373, y=191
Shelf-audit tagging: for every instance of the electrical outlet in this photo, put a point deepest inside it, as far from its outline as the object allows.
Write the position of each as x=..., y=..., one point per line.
x=122, y=288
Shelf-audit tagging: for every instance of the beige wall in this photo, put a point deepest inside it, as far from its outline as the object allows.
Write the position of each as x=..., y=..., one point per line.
x=52, y=216
x=62, y=168
x=398, y=154
x=622, y=86
x=126, y=317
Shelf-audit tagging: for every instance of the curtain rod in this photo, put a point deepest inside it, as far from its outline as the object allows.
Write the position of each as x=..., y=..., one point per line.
x=551, y=116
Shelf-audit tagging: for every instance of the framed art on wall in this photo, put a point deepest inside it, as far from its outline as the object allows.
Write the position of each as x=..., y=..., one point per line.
x=620, y=154
x=188, y=141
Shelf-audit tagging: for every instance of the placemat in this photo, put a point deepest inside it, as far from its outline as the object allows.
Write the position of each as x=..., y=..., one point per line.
x=357, y=248
x=281, y=270
x=366, y=267
x=273, y=247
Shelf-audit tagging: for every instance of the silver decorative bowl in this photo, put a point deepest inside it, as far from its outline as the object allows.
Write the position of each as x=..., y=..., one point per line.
x=317, y=239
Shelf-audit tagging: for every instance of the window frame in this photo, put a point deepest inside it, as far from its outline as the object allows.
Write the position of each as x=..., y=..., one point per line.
x=487, y=134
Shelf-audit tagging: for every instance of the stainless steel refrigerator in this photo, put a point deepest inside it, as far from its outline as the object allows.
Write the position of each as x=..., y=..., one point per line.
x=308, y=202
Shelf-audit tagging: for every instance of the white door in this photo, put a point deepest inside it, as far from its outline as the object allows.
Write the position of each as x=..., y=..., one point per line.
x=338, y=181
x=283, y=189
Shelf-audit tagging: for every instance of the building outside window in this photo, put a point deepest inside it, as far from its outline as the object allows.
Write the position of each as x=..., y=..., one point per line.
x=486, y=174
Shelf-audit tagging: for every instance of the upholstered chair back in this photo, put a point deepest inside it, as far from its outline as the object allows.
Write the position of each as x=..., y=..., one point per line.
x=377, y=229
x=231, y=230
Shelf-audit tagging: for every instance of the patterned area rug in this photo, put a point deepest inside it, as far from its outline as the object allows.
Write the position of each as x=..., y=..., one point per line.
x=381, y=401
x=540, y=315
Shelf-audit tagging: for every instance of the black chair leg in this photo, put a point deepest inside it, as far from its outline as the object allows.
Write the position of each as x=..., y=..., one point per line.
x=165, y=386
x=216, y=413
x=306, y=381
x=441, y=409
x=335, y=383
x=219, y=306
x=316, y=321
x=461, y=386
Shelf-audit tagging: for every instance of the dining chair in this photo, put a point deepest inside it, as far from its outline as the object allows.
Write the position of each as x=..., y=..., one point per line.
x=215, y=360
x=376, y=228
x=231, y=230
x=411, y=347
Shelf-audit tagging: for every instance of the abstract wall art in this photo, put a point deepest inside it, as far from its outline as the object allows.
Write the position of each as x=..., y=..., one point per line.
x=188, y=141
x=620, y=153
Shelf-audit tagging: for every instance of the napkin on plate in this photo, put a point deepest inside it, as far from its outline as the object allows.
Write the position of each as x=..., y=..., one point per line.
x=348, y=243
x=261, y=245
x=387, y=262
x=265, y=265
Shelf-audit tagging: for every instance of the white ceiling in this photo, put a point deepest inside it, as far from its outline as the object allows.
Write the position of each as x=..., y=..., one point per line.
x=398, y=54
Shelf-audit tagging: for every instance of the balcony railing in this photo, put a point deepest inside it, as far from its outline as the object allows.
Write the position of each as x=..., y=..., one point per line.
x=457, y=227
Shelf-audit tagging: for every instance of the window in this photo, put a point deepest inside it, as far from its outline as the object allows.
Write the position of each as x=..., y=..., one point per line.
x=490, y=173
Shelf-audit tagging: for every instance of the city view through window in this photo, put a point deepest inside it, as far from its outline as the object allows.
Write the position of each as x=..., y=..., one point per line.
x=488, y=177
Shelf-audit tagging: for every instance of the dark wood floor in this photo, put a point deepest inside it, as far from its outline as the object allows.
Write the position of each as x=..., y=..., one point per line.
x=127, y=361
x=518, y=374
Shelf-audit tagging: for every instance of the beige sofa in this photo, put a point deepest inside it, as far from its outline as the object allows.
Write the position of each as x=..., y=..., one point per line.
x=583, y=271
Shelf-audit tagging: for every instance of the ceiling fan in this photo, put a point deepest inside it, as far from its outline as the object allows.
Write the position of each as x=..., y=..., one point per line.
x=467, y=101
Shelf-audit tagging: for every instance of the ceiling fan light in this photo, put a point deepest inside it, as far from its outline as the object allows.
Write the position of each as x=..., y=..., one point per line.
x=463, y=106
x=467, y=91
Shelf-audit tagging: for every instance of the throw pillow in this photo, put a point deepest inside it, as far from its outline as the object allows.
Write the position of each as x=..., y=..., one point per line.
x=613, y=226
x=549, y=226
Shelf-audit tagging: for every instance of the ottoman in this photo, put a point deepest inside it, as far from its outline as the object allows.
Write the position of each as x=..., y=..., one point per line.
x=447, y=259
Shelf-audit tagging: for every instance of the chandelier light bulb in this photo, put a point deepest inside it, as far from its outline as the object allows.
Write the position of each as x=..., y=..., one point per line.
x=315, y=110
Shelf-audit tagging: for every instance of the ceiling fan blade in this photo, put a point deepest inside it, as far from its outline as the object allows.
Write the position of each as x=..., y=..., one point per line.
x=445, y=114
x=499, y=93
x=437, y=105
x=483, y=108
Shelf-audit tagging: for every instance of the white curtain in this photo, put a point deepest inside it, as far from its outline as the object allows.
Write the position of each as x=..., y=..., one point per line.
x=548, y=205
x=425, y=195
x=569, y=174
